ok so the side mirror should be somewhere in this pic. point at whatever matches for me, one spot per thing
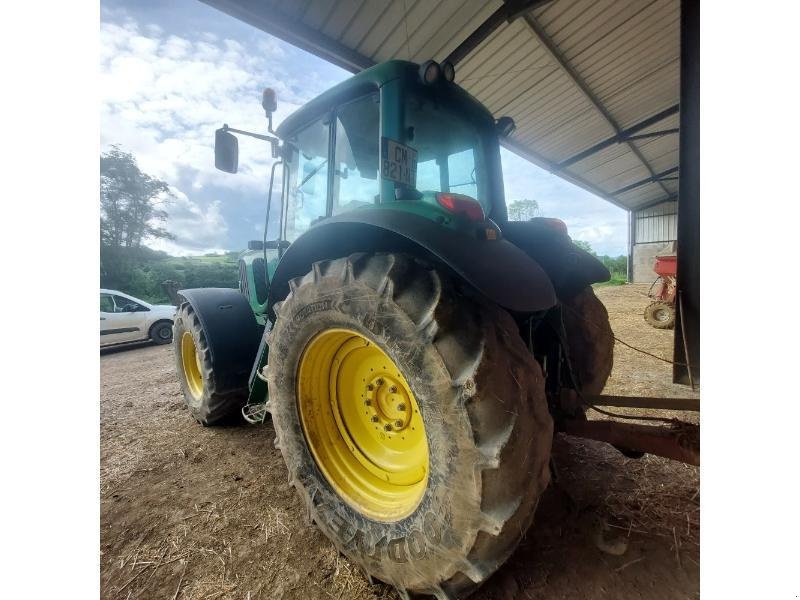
(226, 151)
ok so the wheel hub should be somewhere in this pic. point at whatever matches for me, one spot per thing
(190, 359)
(388, 404)
(362, 424)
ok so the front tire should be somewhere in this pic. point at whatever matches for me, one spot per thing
(479, 397)
(196, 372)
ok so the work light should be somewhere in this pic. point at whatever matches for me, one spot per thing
(269, 101)
(448, 70)
(430, 71)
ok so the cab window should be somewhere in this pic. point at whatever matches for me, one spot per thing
(450, 152)
(355, 178)
(308, 178)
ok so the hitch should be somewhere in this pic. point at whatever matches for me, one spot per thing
(679, 442)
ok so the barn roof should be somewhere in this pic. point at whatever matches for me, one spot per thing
(593, 86)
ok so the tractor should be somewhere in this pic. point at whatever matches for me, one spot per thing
(413, 347)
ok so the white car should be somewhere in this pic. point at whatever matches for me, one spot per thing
(124, 318)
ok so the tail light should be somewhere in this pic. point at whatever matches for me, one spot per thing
(459, 204)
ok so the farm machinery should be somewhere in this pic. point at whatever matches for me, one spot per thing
(660, 313)
(415, 349)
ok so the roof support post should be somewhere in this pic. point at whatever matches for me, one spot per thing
(687, 322)
(631, 243)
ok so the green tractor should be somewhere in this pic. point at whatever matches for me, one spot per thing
(413, 347)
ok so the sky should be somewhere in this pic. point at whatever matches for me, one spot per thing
(173, 71)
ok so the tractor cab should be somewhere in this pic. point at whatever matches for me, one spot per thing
(405, 153)
(397, 134)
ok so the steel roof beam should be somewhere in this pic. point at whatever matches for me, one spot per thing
(295, 32)
(561, 60)
(655, 178)
(652, 134)
(652, 203)
(622, 136)
(510, 10)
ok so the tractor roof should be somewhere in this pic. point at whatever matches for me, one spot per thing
(370, 80)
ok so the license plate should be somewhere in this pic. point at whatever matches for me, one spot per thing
(398, 162)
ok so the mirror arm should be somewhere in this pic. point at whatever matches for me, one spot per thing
(266, 138)
(274, 142)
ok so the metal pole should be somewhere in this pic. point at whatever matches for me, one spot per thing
(631, 242)
(687, 326)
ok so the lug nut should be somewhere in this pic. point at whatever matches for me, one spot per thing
(379, 382)
(370, 387)
(375, 418)
(367, 402)
(387, 427)
(393, 389)
(398, 423)
(401, 407)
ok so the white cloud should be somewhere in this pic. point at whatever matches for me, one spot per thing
(588, 217)
(197, 230)
(164, 95)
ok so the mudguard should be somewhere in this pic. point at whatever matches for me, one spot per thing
(569, 267)
(496, 268)
(231, 330)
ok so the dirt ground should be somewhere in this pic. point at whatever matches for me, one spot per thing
(193, 512)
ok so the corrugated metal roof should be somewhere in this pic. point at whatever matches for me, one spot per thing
(572, 73)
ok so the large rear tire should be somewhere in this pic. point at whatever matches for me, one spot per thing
(590, 340)
(196, 373)
(480, 399)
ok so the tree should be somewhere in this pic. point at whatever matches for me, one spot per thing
(523, 210)
(584, 246)
(129, 202)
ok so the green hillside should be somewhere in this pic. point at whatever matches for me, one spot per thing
(141, 271)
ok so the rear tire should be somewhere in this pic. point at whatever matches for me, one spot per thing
(481, 399)
(590, 339)
(660, 315)
(196, 372)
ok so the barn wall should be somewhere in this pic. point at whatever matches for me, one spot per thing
(654, 228)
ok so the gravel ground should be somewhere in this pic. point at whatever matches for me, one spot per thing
(193, 512)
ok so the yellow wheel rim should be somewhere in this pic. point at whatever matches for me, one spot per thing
(362, 424)
(190, 358)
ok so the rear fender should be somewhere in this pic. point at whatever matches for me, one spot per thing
(495, 268)
(569, 267)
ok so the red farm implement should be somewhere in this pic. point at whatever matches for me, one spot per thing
(660, 313)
